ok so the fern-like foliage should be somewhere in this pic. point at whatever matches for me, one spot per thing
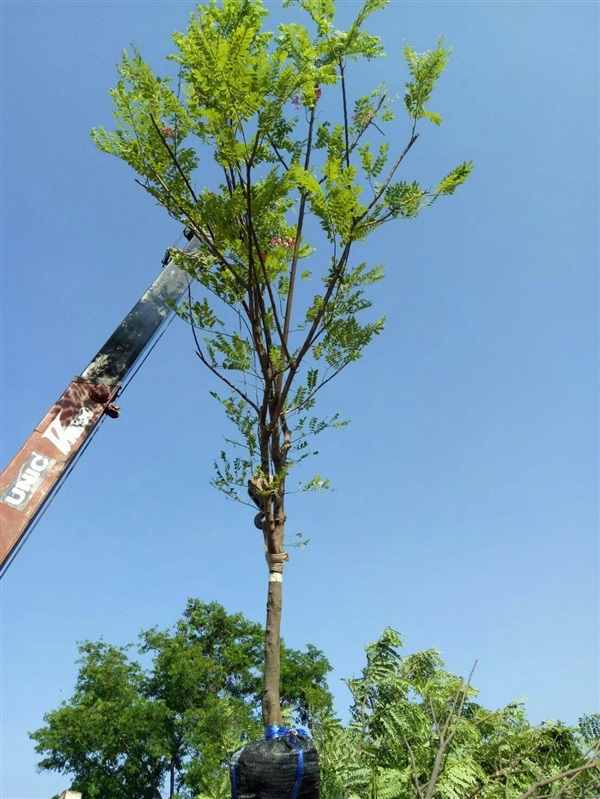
(417, 732)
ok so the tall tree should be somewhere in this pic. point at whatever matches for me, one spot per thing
(129, 729)
(301, 186)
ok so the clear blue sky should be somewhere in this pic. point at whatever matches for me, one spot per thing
(466, 510)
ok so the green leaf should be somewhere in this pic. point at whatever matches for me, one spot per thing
(425, 70)
(453, 180)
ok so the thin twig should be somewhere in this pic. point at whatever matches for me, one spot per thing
(318, 388)
(278, 154)
(215, 371)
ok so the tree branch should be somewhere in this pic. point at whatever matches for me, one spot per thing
(215, 371)
(269, 287)
(174, 159)
(345, 108)
(445, 742)
(278, 154)
(387, 181)
(308, 341)
(574, 772)
(287, 319)
(318, 388)
(415, 771)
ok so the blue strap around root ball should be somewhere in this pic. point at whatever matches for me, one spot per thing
(275, 731)
(232, 768)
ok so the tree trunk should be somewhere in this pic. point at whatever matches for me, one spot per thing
(271, 450)
(275, 556)
(271, 710)
(172, 779)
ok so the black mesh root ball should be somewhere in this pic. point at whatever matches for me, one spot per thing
(284, 765)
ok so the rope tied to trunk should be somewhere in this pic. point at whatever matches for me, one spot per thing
(275, 560)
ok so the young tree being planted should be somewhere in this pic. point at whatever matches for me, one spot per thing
(308, 170)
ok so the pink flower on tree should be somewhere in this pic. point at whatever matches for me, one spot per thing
(288, 242)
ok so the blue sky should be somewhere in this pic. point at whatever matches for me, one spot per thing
(466, 511)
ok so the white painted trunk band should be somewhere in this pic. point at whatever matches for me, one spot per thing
(275, 577)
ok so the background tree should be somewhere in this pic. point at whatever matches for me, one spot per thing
(417, 731)
(129, 728)
(282, 306)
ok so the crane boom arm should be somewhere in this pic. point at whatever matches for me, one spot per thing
(32, 477)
